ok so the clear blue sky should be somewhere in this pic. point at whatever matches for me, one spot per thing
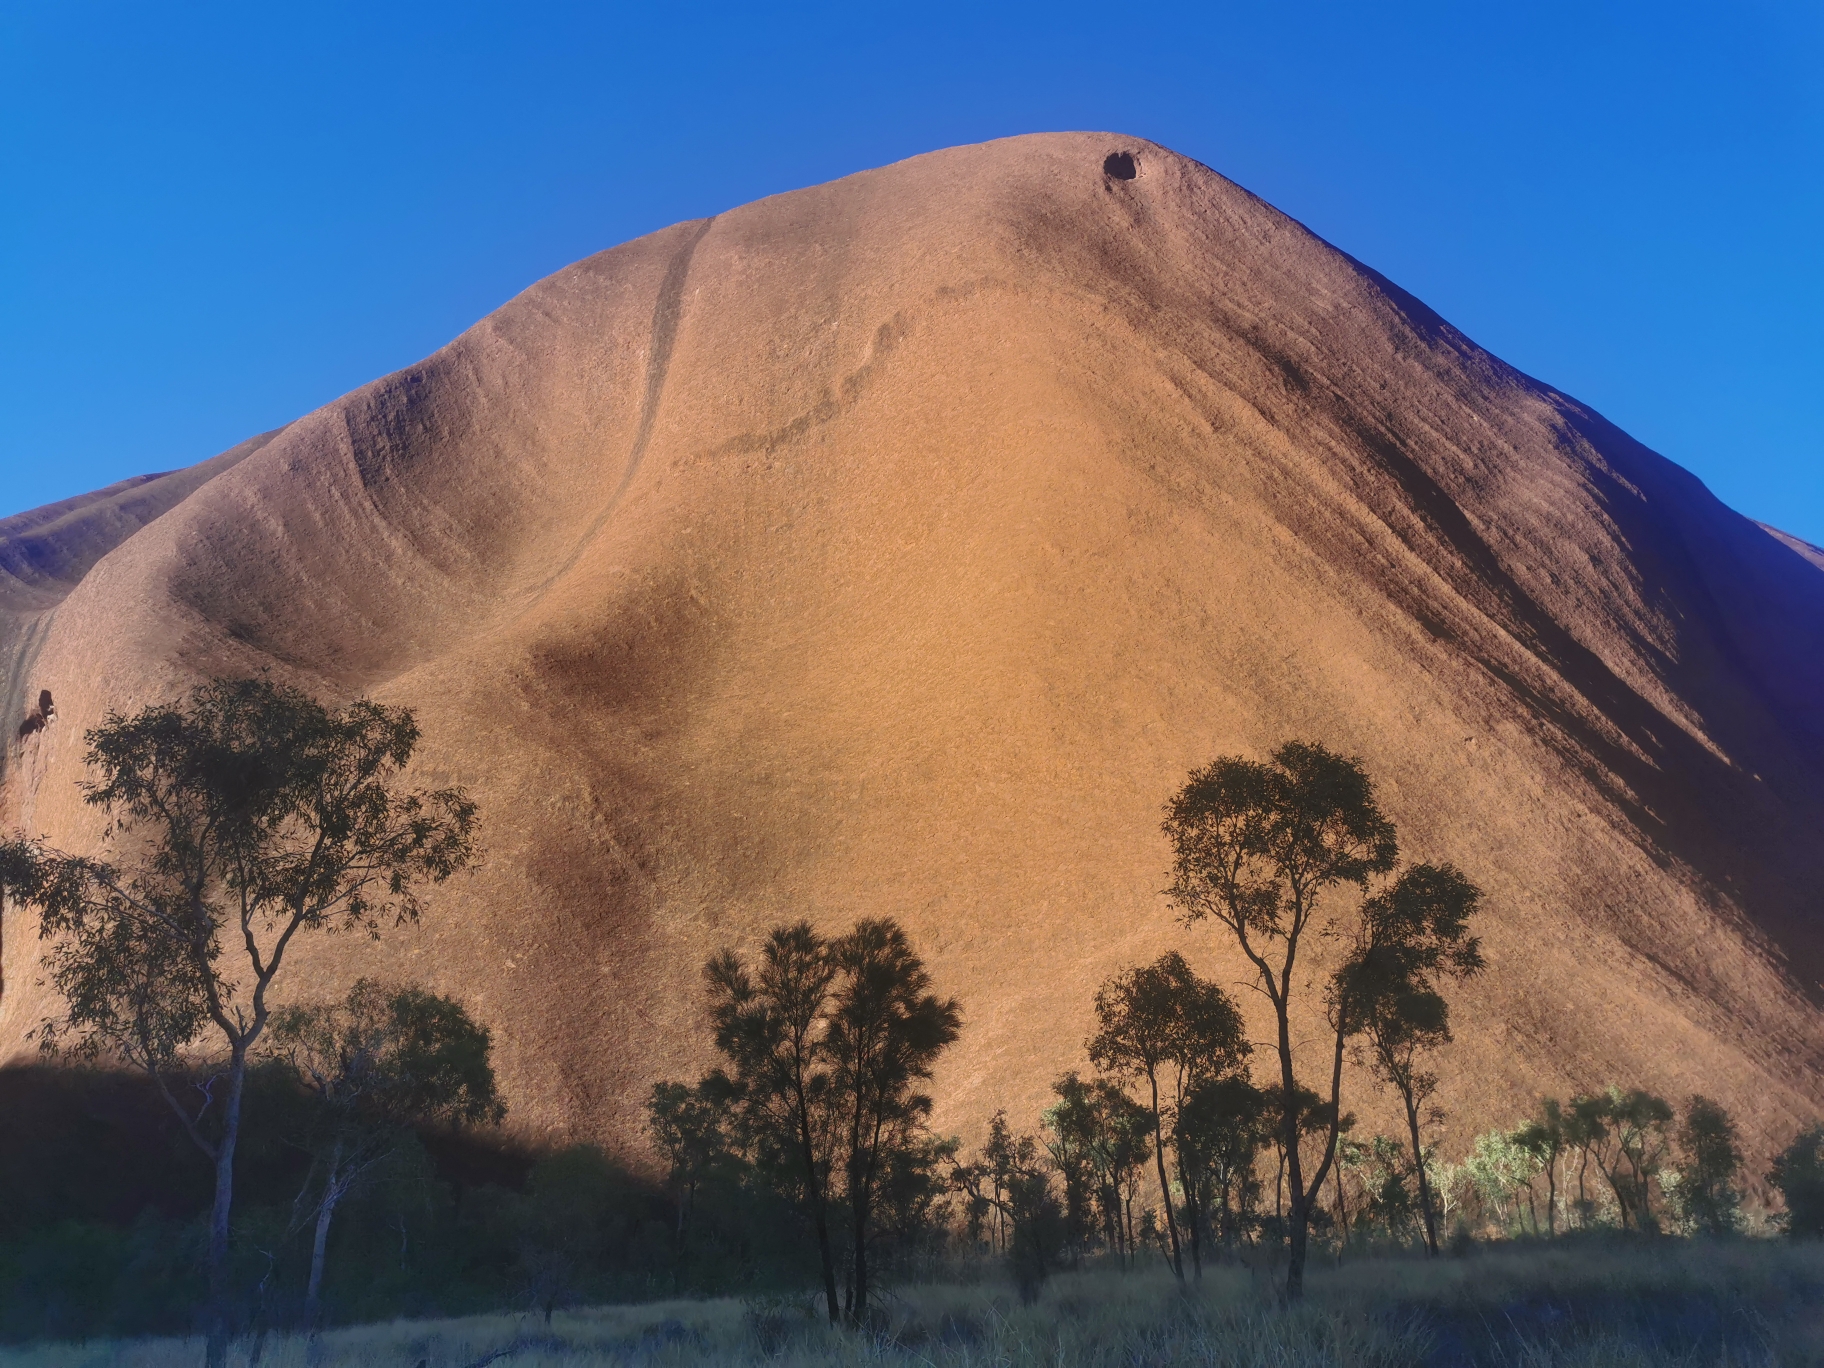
(215, 217)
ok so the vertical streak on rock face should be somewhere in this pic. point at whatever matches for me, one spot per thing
(666, 311)
(665, 314)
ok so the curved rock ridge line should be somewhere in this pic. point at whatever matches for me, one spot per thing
(896, 546)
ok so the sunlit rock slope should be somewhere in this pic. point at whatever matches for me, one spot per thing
(895, 546)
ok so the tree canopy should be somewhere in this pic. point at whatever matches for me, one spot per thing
(828, 1044)
(384, 1059)
(1256, 847)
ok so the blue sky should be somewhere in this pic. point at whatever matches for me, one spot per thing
(214, 218)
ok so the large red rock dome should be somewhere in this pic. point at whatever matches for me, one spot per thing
(896, 546)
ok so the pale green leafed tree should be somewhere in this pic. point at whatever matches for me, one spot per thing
(239, 819)
(380, 1062)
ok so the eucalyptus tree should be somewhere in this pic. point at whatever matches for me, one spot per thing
(1798, 1176)
(1161, 1024)
(1501, 1166)
(381, 1062)
(769, 1026)
(1586, 1130)
(1094, 1119)
(1070, 1126)
(239, 818)
(827, 1043)
(1710, 1161)
(1641, 1123)
(1218, 1131)
(983, 1183)
(886, 1030)
(1546, 1137)
(1013, 1178)
(1257, 849)
(688, 1128)
(1410, 936)
(1628, 1135)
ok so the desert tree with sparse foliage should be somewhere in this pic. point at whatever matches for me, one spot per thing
(1164, 1027)
(1410, 937)
(239, 819)
(1257, 849)
(381, 1062)
(828, 1044)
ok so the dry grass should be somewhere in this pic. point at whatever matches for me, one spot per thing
(1567, 1306)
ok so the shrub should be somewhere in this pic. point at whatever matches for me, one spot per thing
(1799, 1175)
(1705, 1191)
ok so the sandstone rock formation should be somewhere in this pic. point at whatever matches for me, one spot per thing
(897, 545)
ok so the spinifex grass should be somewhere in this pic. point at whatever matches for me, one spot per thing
(1591, 1304)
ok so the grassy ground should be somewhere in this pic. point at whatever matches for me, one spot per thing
(1586, 1305)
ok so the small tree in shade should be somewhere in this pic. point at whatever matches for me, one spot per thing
(1013, 1178)
(1628, 1135)
(1643, 1125)
(239, 819)
(1217, 1133)
(1798, 1176)
(686, 1125)
(1096, 1119)
(1545, 1138)
(886, 1031)
(1070, 1142)
(1709, 1162)
(828, 1044)
(381, 1062)
(769, 1025)
(1586, 1130)
(1164, 1026)
(1410, 937)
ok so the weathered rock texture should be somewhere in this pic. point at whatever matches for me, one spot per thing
(897, 545)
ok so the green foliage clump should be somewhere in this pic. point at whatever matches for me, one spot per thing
(1798, 1176)
(1705, 1192)
(376, 1064)
(827, 1044)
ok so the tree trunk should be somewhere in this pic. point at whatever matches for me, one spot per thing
(326, 1209)
(1418, 1167)
(858, 1311)
(1108, 1222)
(1298, 1246)
(813, 1191)
(1116, 1230)
(216, 1354)
(1292, 1169)
(820, 1219)
(861, 1189)
(1342, 1214)
(1193, 1217)
(1617, 1189)
(1304, 1200)
(1165, 1186)
(1551, 1197)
